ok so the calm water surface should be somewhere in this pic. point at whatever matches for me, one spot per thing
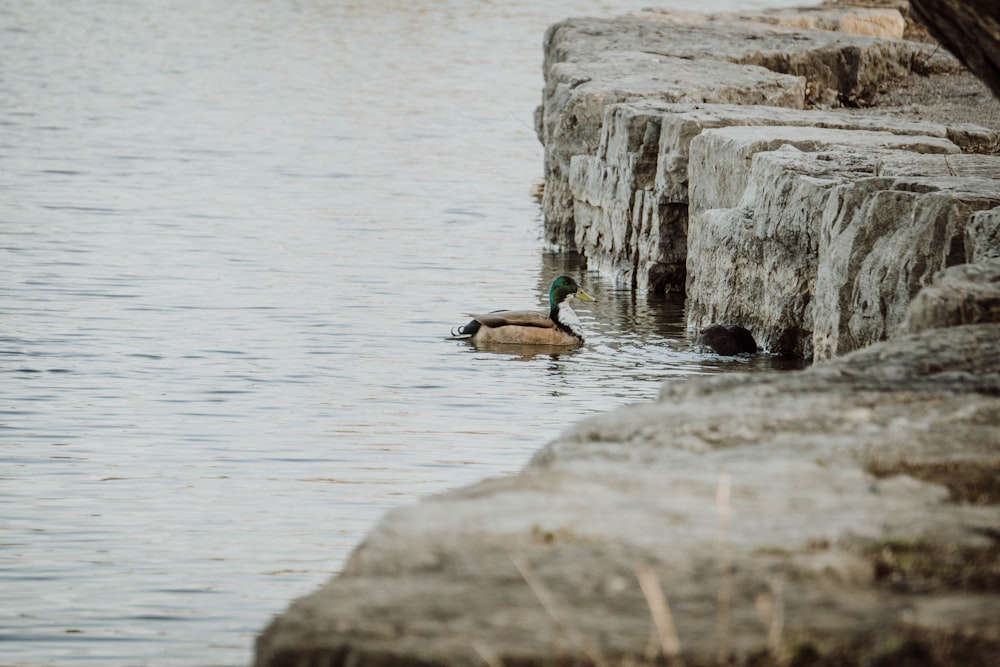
(233, 236)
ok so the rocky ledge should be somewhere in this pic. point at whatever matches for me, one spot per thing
(845, 514)
(771, 169)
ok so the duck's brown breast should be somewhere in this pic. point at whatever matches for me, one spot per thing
(518, 335)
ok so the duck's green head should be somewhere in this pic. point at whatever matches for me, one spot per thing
(563, 288)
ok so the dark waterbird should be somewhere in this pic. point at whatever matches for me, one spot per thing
(728, 341)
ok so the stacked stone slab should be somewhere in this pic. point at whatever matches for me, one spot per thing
(657, 194)
(811, 243)
(630, 199)
(881, 241)
(591, 64)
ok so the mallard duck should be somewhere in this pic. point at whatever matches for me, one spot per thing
(528, 327)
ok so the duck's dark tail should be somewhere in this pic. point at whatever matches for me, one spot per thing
(465, 331)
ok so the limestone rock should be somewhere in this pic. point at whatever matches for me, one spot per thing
(577, 94)
(756, 261)
(776, 255)
(593, 63)
(719, 163)
(753, 237)
(963, 294)
(881, 240)
(630, 199)
(846, 512)
(982, 236)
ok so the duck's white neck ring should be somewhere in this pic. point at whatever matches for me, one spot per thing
(566, 319)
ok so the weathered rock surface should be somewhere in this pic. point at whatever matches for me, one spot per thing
(881, 240)
(576, 95)
(964, 294)
(593, 63)
(815, 247)
(630, 199)
(720, 159)
(845, 514)
(618, 173)
(885, 22)
(982, 236)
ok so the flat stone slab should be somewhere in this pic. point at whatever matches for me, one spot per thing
(846, 512)
(680, 124)
(814, 51)
(721, 158)
(874, 22)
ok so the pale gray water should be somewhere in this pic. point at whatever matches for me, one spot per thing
(233, 236)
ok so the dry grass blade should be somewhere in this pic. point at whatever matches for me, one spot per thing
(771, 608)
(722, 497)
(951, 170)
(550, 607)
(670, 643)
(776, 624)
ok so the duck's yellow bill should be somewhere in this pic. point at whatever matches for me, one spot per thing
(583, 296)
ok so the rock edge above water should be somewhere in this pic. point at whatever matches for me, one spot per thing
(667, 164)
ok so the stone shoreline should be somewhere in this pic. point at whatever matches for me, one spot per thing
(845, 514)
(690, 153)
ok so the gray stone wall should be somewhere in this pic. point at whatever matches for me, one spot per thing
(667, 164)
